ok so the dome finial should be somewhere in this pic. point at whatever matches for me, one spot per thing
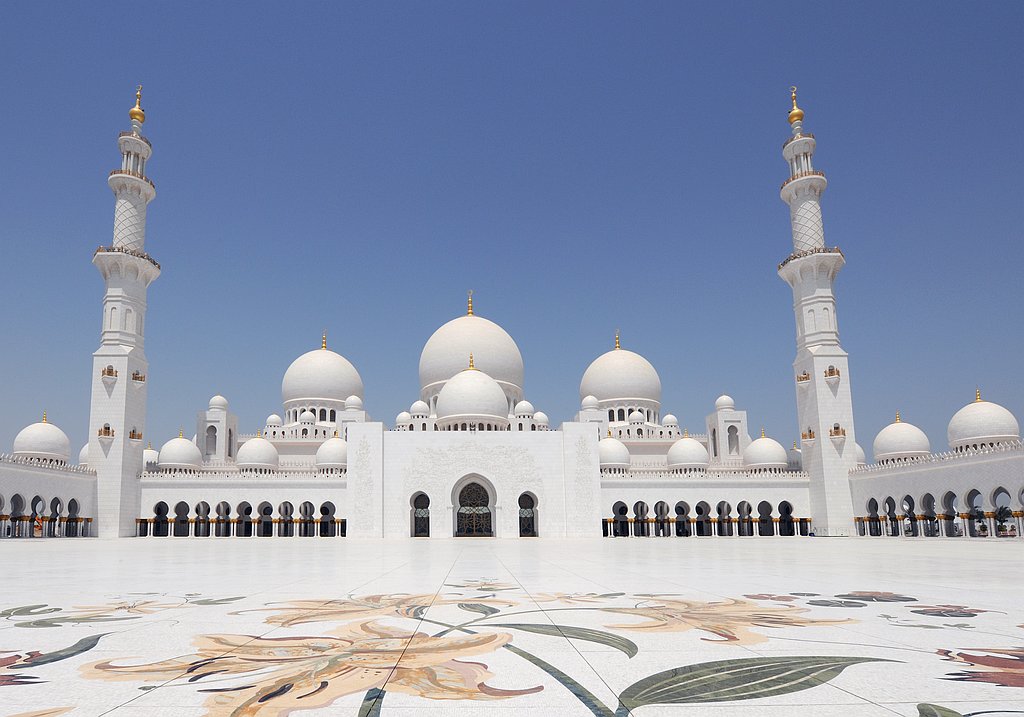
(181, 433)
(762, 431)
(258, 434)
(471, 366)
(686, 433)
(335, 432)
(323, 340)
(617, 344)
(136, 112)
(897, 416)
(977, 395)
(795, 114)
(469, 304)
(44, 416)
(609, 432)
(149, 446)
(794, 445)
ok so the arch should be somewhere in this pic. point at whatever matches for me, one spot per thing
(889, 507)
(285, 523)
(874, 522)
(682, 511)
(52, 527)
(181, 521)
(222, 526)
(307, 520)
(71, 526)
(724, 518)
(930, 523)
(160, 520)
(734, 440)
(420, 515)
(323, 414)
(765, 524)
(527, 515)
(328, 528)
(201, 529)
(977, 525)
(620, 519)
(243, 521)
(641, 526)
(714, 442)
(703, 520)
(787, 526)
(211, 440)
(745, 524)
(474, 505)
(908, 507)
(661, 518)
(265, 520)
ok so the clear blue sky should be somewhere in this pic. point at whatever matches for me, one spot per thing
(582, 166)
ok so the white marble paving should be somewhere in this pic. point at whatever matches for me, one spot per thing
(816, 627)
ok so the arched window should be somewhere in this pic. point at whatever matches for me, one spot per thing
(714, 442)
(611, 414)
(734, 441)
(421, 516)
(211, 440)
(474, 512)
(622, 414)
(527, 516)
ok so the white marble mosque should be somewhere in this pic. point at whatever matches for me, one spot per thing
(473, 456)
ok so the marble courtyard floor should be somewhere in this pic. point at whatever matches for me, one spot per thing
(607, 628)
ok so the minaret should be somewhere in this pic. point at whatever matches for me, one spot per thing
(117, 417)
(821, 372)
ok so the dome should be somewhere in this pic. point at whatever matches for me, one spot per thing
(620, 374)
(613, 453)
(637, 417)
(670, 421)
(900, 440)
(179, 453)
(687, 453)
(795, 458)
(540, 418)
(42, 441)
(524, 408)
(861, 457)
(318, 375)
(353, 403)
(765, 453)
(495, 353)
(273, 420)
(150, 457)
(981, 422)
(590, 403)
(332, 453)
(420, 408)
(403, 418)
(724, 403)
(218, 403)
(307, 417)
(83, 456)
(472, 394)
(257, 453)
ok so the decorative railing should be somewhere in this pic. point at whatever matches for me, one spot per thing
(808, 435)
(944, 457)
(663, 473)
(129, 252)
(794, 138)
(109, 372)
(809, 252)
(798, 175)
(831, 372)
(130, 173)
(135, 435)
(139, 136)
(139, 376)
(48, 465)
(837, 432)
(803, 377)
(106, 432)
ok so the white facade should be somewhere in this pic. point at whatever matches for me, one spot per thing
(471, 456)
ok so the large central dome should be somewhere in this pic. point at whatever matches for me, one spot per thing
(494, 352)
(321, 375)
(621, 375)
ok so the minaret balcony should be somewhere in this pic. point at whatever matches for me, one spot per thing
(135, 435)
(803, 379)
(808, 436)
(794, 138)
(106, 434)
(138, 377)
(802, 175)
(136, 135)
(129, 173)
(108, 375)
(832, 375)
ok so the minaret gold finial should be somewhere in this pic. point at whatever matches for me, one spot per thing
(762, 431)
(471, 366)
(897, 416)
(323, 340)
(795, 114)
(181, 433)
(149, 446)
(136, 112)
(44, 416)
(977, 395)
(617, 344)
(469, 304)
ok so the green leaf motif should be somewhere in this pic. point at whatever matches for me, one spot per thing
(478, 608)
(216, 601)
(927, 710)
(578, 633)
(28, 610)
(83, 645)
(729, 680)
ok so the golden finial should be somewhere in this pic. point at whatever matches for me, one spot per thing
(609, 433)
(323, 340)
(977, 395)
(686, 433)
(762, 431)
(44, 416)
(794, 445)
(136, 112)
(471, 366)
(469, 304)
(796, 114)
(335, 432)
(897, 416)
(617, 345)
(258, 433)
(149, 446)
(181, 433)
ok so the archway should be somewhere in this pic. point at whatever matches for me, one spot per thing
(243, 523)
(745, 527)
(1005, 524)
(661, 519)
(181, 528)
(160, 520)
(222, 529)
(682, 511)
(53, 526)
(786, 523)
(71, 526)
(765, 525)
(307, 522)
(951, 514)
(265, 516)
(641, 528)
(38, 513)
(421, 515)
(620, 517)
(473, 514)
(202, 524)
(977, 525)
(930, 524)
(527, 516)
(328, 528)
(908, 506)
(724, 523)
(874, 523)
(890, 512)
(703, 523)
(285, 523)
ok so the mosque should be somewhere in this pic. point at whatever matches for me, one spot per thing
(473, 457)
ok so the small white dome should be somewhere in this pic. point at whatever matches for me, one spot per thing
(621, 375)
(795, 458)
(257, 453)
(320, 375)
(687, 453)
(42, 441)
(472, 394)
(273, 420)
(901, 440)
(613, 453)
(179, 453)
(861, 457)
(218, 403)
(524, 408)
(420, 408)
(402, 418)
(307, 417)
(637, 417)
(724, 402)
(332, 453)
(83, 456)
(670, 421)
(150, 457)
(981, 423)
(540, 418)
(590, 403)
(765, 453)
(353, 403)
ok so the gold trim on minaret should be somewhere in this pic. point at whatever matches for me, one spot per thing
(136, 112)
(795, 114)
(469, 303)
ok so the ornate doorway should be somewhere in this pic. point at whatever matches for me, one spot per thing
(474, 516)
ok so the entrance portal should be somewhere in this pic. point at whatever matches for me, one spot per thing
(474, 515)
